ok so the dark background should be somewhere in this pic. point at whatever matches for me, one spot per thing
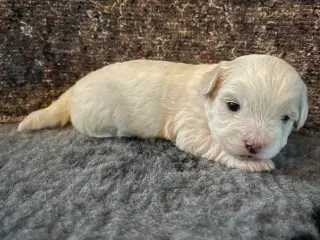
(45, 46)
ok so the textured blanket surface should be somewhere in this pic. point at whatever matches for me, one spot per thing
(59, 184)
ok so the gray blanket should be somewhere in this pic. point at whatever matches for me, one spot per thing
(59, 184)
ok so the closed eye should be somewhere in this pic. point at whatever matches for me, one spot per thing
(285, 118)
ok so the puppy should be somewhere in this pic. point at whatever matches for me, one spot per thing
(238, 113)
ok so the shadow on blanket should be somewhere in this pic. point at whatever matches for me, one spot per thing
(316, 218)
(58, 184)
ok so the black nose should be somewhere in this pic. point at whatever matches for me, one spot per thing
(253, 149)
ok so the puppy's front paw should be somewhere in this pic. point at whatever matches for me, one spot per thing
(247, 165)
(257, 166)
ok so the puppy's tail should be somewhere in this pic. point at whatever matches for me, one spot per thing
(56, 114)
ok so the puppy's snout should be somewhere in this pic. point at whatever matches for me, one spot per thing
(253, 149)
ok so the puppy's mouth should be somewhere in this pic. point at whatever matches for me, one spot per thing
(249, 158)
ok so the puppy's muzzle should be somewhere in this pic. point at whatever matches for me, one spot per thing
(253, 149)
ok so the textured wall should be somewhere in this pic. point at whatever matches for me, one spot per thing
(47, 45)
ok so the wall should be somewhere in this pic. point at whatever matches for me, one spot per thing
(47, 45)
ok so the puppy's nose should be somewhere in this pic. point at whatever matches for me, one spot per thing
(253, 149)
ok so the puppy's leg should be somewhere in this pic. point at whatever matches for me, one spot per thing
(248, 166)
(203, 145)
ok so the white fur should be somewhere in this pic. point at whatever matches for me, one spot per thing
(188, 105)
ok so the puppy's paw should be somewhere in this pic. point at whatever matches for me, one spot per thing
(247, 165)
(257, 166)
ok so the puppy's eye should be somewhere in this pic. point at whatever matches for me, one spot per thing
(234, 107)
(285, 118)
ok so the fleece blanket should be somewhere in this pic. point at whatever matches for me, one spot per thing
(59, 184)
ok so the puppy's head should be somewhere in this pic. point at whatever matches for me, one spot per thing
(253, 103)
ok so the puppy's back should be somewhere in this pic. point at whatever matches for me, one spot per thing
(146, 91)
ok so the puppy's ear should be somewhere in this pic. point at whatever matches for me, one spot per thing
(303, 108)
(211, 81)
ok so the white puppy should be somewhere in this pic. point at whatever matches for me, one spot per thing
(238, 113)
